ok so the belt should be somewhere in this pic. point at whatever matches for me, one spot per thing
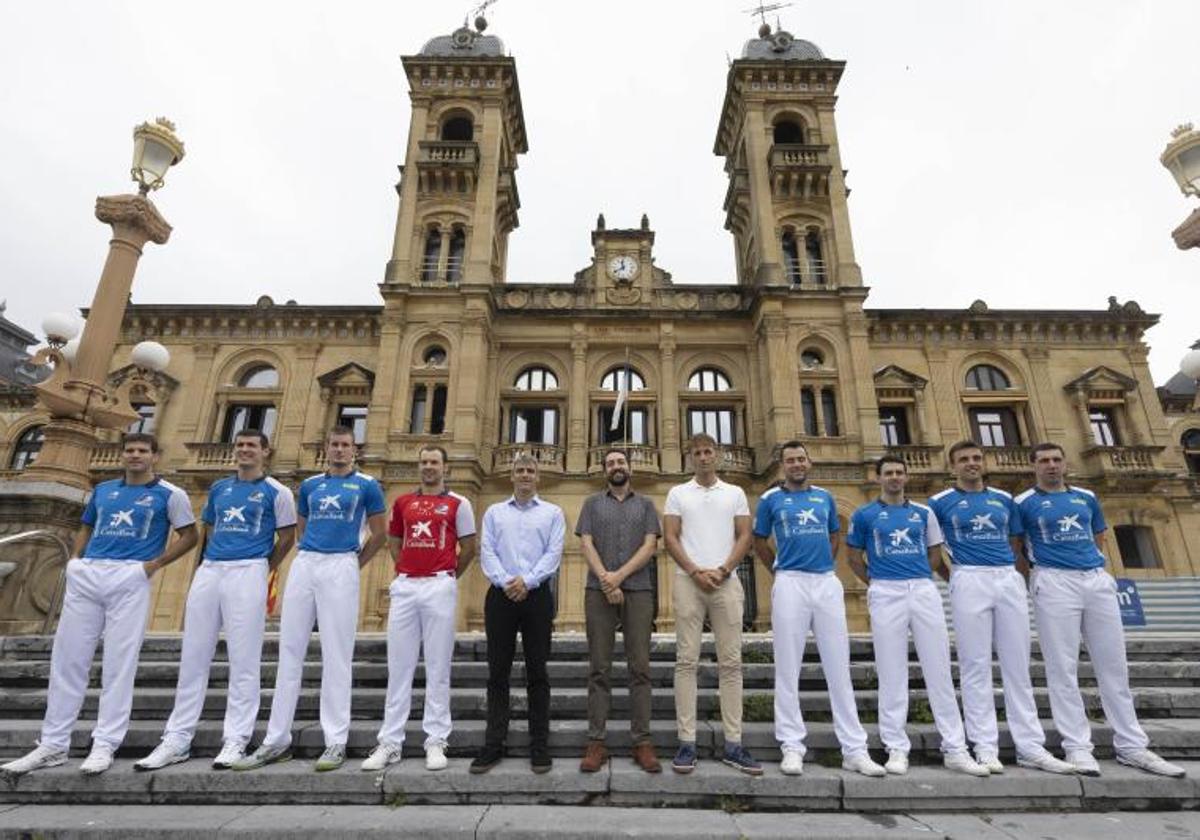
(413, 575)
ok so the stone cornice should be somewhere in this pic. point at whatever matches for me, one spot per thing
(224, 321)
(1122, 325)
(576, 301)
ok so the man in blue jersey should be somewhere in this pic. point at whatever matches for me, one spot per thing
(893, 544)
(124, 540)
(1064, 540)
(990, 606)
(322, 586)
(251, 521)
(807, 595)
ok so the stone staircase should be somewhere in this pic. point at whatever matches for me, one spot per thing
(1165, 669)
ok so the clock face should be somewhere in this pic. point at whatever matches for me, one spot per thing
(623, 267)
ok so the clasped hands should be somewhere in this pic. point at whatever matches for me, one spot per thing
(610, 583)
(516, 590)
(709, 579)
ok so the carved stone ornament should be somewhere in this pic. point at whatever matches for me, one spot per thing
(623, 295)
(728, 300)
(517, 298)
(686, 300)
(560, 299)
(136, 212)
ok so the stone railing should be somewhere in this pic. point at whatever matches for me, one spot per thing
(1007, 459)
(548, 457)
(1121, 459)
(209, 456)
(642, 459)
(448, 153)
(106, 456)
(798, 155)
(920, 459)
(738, 459)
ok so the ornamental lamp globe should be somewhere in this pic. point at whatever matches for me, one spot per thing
(155, 150)
(1190, 365)
(59, 328)
(150, 355)
(1182, 158)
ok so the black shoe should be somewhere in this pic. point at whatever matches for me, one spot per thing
(488, 758)
(539, 760)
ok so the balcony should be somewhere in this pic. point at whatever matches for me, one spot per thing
(209, 456)
(799, 170)
(1007, 460)
(548, 457)
(448, 165)
(642, 459)
(106, 457)
(1126, 467)
(739, 459)
(920, 459)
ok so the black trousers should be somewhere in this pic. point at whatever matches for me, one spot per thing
(502, 620)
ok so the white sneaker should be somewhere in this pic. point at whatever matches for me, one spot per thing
(382, 756)
(36, 759)
(963, 763)
(862, 763)
(231, 752)
(164, 754)
(98, 760)
(1151, 762)
(1045, 762)
(897, 763)
(792, 764)
(990, 760)
(1085, 764)
(435, 757)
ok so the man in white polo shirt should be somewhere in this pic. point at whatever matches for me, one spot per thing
(706, 523)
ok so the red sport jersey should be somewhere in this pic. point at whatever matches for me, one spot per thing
(430, 526)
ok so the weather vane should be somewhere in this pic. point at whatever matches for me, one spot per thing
(761, 9)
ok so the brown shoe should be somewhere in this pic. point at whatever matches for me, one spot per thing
(644, 757)
(594, 757)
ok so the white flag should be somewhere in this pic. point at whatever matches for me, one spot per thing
(622, 393)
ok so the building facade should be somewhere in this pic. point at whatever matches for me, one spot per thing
(453, 354)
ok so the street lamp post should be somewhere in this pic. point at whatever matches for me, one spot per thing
(1182, 159)
(77, 395)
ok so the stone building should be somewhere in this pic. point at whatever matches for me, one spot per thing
(453, 354)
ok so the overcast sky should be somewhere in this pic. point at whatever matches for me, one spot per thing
(1005, 151)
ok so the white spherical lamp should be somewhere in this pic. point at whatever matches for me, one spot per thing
(70, 349)
(1190, 365)
(150, 355)
(59, 328)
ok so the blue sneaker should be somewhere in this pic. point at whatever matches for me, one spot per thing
(737, 757)
(685, 759)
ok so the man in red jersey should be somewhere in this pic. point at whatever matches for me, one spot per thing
(432, 536)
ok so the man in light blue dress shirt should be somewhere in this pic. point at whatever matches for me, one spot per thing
(520, 551)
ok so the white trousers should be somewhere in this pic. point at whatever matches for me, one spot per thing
(991, 609)
(107, 599)
(802, 601)
(421, 616)
(324, 588)
(229, 594)
(1074, 604)
(896, 607)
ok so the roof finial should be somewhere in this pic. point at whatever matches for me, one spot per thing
(480, 21)
(764, 31)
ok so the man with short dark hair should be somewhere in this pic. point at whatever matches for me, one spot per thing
(893, 544)
(1074, 598)
(322, 587)
(807, 595)
(990, 608)
(251, 519)
(707, 528)
(520, 552)
(432, 537)
(618, 531)
(127, 526)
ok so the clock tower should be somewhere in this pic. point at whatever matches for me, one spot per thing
(622, 270)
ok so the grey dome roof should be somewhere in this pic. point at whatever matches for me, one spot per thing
(464, 43)
(782, 46)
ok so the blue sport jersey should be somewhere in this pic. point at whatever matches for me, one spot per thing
(243, 516)
(896, 539)
(335, 508)
(977, 525)
(133, 521)
(801, 521)
(1060, 528)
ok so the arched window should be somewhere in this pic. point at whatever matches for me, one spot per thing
(791, 256)
(987, 378)
(435, 356)
(708, 379)
(458, 128)
(458, 248)
(814, 256)
(432, 256)
(536, 379)
(29, 444)
(611, 381)
(788, 131)
(260, 376)
(1191, 450)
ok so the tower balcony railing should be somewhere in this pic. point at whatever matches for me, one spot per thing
(811, 272)
(448, 153)
(548, 456)
(799, 155)
(431, 271)
(799, 170)
(642, 458)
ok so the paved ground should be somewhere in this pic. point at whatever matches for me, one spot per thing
(554, 822)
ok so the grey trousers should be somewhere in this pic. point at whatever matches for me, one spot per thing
(636, 616)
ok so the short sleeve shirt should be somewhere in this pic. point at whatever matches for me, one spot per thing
(430, 526)
(707, 514)
(133, 521)
(335, 508)
(1060, 527)
(243, 516)
(618, 529)
(801, 522)
(977, 525)
(896, 539)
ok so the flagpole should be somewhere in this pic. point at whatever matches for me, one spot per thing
(625, 424)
